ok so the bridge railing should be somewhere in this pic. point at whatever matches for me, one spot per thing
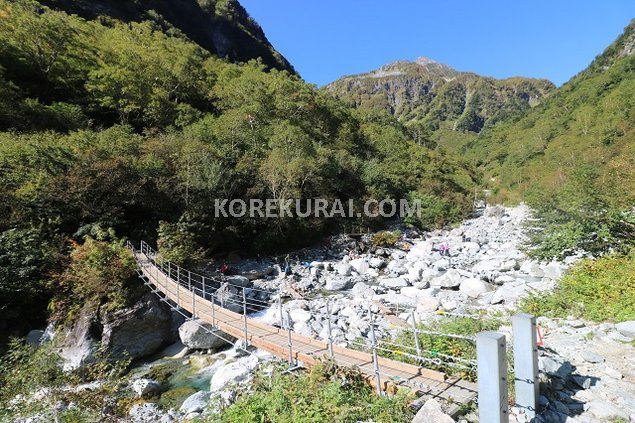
(490, 364)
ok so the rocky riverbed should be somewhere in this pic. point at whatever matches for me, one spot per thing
(349, 281)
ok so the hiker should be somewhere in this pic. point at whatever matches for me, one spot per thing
(444, 249)
(224, 269)
(287, 264)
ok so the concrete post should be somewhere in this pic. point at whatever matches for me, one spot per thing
(526, 363)
(492, 378)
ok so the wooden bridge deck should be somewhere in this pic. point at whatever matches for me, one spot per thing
(393, 374)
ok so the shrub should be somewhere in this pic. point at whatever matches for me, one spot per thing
(101, 271)
(598, 290)
(323, 394)
(386, 238)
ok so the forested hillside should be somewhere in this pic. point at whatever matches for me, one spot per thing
(133, 127)
(573, 156)
(441, 106)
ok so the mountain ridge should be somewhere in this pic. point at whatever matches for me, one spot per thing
(436, 95)
(222, 27)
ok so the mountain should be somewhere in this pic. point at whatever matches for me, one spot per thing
(439, 97)
(222, 27)
(588, 123)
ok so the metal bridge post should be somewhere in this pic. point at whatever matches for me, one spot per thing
(213, 311)
(375, 358)
(415, 334)
(189, 281)
(330, 335)
(492, 377)
(289, 340)
(178, 275)
(203, 286)
(526, 363)
(280, 308)
(245, 314)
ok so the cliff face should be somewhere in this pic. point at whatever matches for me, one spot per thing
(222, 27)
(438, 96)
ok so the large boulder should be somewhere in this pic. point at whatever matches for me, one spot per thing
(239, 280)
(144, 388)
(343, 269)
(79, 341)
(450, 279)
(626, 328)
(195, 403)
(337, 283)
(361, 290)
(236, 371)
(200, 335)
(360, 265)
(150, 413)
(432, 412)
(140, 330)
(473, 287)
(393, 283)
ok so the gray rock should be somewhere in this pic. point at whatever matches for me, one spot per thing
(450, 279)
(144, 388)
(360, 265)
(393, 282)
(592, 357)
(532, 268)
(626, 328)
(239, 280)
(555, 367)
(432, 412)
(605, 411)
(149, 413)
(236, 371)
(200, 335)
(255, 270)
(473, 287)
(377, 262)
(582, 381)
(195, 403)
(300, 316)
(343, 269)
(361, 290)
(79, 342)
(138, 331)
(427, 305)
(34, 337)
(337, 283)
(553, 270)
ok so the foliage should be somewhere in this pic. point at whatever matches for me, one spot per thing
(26, 258)
(177, 244)
(434, 97)
(572, 158)
(596, 290)
(323, 394)
(386, 238)
(25, 369)
(101, 271)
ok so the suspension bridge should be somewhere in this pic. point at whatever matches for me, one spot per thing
(226, 308)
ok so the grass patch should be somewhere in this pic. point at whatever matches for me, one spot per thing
(440, 348)
(325, 393)
(596, 290)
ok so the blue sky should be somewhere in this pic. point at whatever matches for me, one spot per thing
(555, 39)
